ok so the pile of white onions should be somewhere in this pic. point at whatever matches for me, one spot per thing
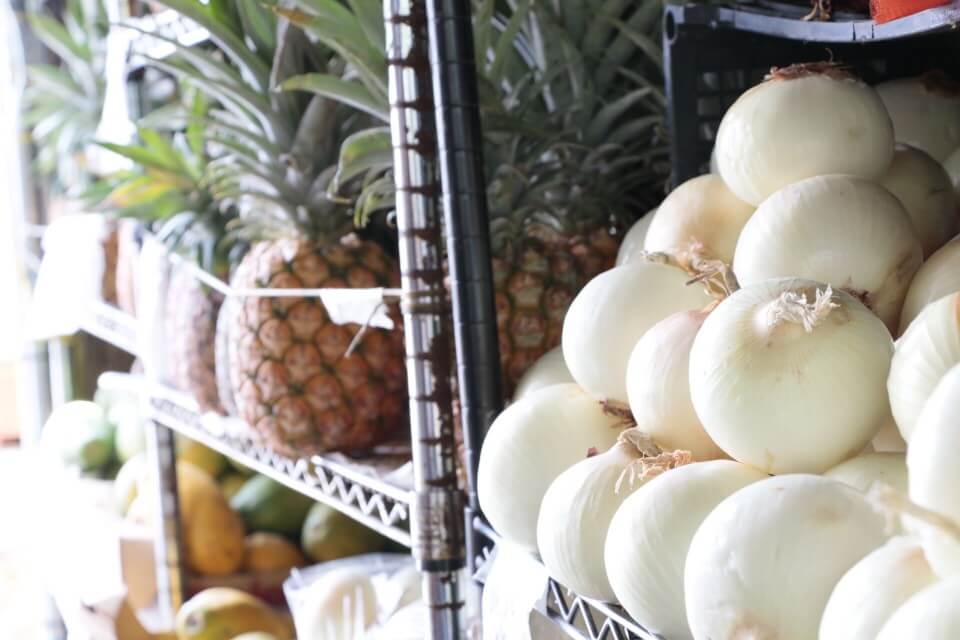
(748, 330)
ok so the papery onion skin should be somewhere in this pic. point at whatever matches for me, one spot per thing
(631, 247)
(934, 472)
(841, 230)
(612, 312)
(785, 130)
(574, 516)
(932, 614)
(937, 277)
(700, 215)
(764, 562)
(658, 386)
(925, 352)
(862, 471)
(549, 369)
(649, 536)
(532, 442)
(784, 400)
(888, 438)
(926, 192)
(925, 114)
(952, 166)
(868, 594)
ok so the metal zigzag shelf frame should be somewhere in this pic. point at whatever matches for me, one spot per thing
(354, 488)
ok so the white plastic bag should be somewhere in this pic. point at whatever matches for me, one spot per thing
(70, 277)
(346, 599)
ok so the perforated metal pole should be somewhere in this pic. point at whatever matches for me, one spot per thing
(437, 515)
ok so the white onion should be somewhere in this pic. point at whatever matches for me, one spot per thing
(799, 124)
(934, 472)
(649, 536)
(952, 167)
(700, 215)
(841, 230)
(925, 352)
(932, 614)
(937, 277)
(610, 314)
(925, 113)
(788, 376)
(873, 589)
(926, 192)
(549, 369)
(888, 439)
(530, 444)
(763, 563)
(631, 249)
(577, 509)
(658, 386)
(861, 472)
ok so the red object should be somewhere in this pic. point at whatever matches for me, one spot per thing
(887, 10)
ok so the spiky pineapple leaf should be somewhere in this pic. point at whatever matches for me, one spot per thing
(56, 38)
(365, 151)
(142, 156)
(228, 40)
(370, 16)
(340, 30)
(260, 25)
(504, 48)
(347, 92)
(603, 121)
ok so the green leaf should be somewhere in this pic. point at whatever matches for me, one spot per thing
(482, 29)
(55, 37)
(370, 150)
(57, 83)
(161, 148)
(339, 30)
(260, 25)
(600, 30)
(505, 44)
(370, 16)
(227, 39)
(143, 156)
(353, 94)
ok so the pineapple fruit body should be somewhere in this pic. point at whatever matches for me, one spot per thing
(535, 281)
(290, 374)
(191, 314)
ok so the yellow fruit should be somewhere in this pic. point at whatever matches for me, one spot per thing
(222, 613)
(200, 456)
(212, 531)
(231, 483)
(270, 552)
(125, 485)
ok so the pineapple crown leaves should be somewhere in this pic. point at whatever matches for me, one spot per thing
(571, 101)
(63, 101)
(271, 149)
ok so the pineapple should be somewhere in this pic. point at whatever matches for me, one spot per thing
(167, 189)
(573, 121)
(289, 371)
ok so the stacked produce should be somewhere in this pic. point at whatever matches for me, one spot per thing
(719, 447)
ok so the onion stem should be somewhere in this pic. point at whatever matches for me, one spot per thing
(794, 308)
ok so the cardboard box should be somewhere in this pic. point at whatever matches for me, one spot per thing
(137, 564)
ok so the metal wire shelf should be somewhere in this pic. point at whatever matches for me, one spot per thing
(586, 619)
(354, 488)
(111, 325)
(578, 617)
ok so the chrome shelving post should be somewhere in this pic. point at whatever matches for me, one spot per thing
(437, 526)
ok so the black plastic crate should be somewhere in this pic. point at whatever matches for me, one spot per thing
(715, 52)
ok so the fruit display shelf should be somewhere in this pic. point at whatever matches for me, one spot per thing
(356, 488)
(111, 325)
(578, 617)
